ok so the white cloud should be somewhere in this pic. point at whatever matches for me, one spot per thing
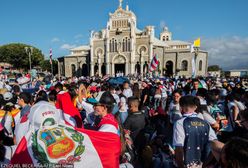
(55, 39)
(228, 52)
(78, 36)
(67, 46)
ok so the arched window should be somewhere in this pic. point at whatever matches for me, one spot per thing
(103, 70)
(96, 69)
(123, 45)
(167, 38)
(200, 65)
(184, 66)
(129, 45)
(113, 45)
(126, 44)
(85, 70)
(163, 38)
(110, 46)
(115, 50)
(73, 69)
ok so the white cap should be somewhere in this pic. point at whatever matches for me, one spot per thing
(7, 96)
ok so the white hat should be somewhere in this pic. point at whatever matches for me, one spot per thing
(7, 96)
(223, 92)
(218, 84)
(44, 111)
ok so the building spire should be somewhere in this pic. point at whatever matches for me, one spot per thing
(120, 3)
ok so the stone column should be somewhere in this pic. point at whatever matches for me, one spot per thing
(92, 69)
(99, 65)
(113, 69)
(132, 67)
(107, 54)
(92, 73)
(126, 68)
(141, 65)
(59, 69)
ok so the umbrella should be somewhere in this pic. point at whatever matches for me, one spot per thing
(117, 80)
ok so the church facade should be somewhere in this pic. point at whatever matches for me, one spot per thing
(122, 48)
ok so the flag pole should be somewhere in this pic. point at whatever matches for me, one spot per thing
(52, 68)
(51, 61)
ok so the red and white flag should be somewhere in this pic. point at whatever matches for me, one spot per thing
(64, 145)
(70, 112)
(48, 142)
(51, 56)
(154, 63)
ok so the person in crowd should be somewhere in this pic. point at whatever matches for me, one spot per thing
(70, 112)
(112, 89)
(6, 119)
(103, 109)
(136, 90)
(174, 107)
(144, 96)
(158, 95)
(135, 121)
(52, 97)
(203, 111)
(195, 87)
(122, 105)
(164, 96)
(24, 100)
(234, 153)
(191, 135)
(127, 91)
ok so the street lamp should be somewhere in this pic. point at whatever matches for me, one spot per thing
(29, 52)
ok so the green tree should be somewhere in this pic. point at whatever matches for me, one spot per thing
(214, 68)
(16, 55)
(46, 66)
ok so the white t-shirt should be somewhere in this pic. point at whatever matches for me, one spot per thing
(123, 105)
(128, 92)
(174, 112)
(207, 117)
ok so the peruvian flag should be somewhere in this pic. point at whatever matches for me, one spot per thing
(71, 113)
(154, 63)
(51, 55)
(60, 144)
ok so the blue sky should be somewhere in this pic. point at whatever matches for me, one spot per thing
(61, 24)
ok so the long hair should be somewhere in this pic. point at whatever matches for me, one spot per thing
(236, 153)
(136, 90)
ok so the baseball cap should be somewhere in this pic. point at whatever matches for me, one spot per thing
(7, 96)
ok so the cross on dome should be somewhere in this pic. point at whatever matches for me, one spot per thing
(120, 3)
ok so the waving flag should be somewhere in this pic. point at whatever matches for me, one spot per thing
(51, 55)
(49, 142)
(70, 112)
(62, 144)
(154, 63)
(197, 42)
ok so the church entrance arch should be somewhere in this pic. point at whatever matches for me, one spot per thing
(119, 63)
(169, 68)
(85, 70)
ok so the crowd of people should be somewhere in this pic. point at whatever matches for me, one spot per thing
(160, 122)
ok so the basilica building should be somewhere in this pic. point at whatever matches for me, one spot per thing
(123, 48)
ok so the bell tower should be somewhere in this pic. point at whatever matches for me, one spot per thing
(165, 35)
